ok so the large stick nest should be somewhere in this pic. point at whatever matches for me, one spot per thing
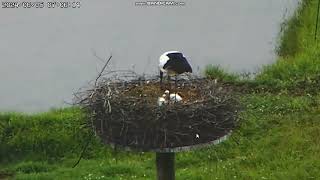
(124, 112)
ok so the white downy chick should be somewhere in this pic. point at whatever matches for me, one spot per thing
(175, 97)
(162, 100)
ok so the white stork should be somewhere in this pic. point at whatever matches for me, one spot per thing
(173, 63)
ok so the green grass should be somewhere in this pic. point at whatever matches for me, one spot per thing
(51, 134)
(217, 72)
(298, 66)
(276, 139)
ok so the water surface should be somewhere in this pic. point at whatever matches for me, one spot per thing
(47, 54)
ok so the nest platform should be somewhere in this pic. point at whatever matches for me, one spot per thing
(125, 113)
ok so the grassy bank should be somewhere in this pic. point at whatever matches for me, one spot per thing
(277, 139)
(297, 67)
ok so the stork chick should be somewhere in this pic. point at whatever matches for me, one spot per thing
(175, 97)
(162, 100)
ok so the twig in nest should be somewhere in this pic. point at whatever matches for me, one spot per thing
(95, 54)
(104, 67)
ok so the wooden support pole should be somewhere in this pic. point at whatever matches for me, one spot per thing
(165, 166)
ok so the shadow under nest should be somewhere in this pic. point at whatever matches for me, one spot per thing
(125, 113)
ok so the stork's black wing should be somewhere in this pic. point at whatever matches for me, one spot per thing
(177, 63)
